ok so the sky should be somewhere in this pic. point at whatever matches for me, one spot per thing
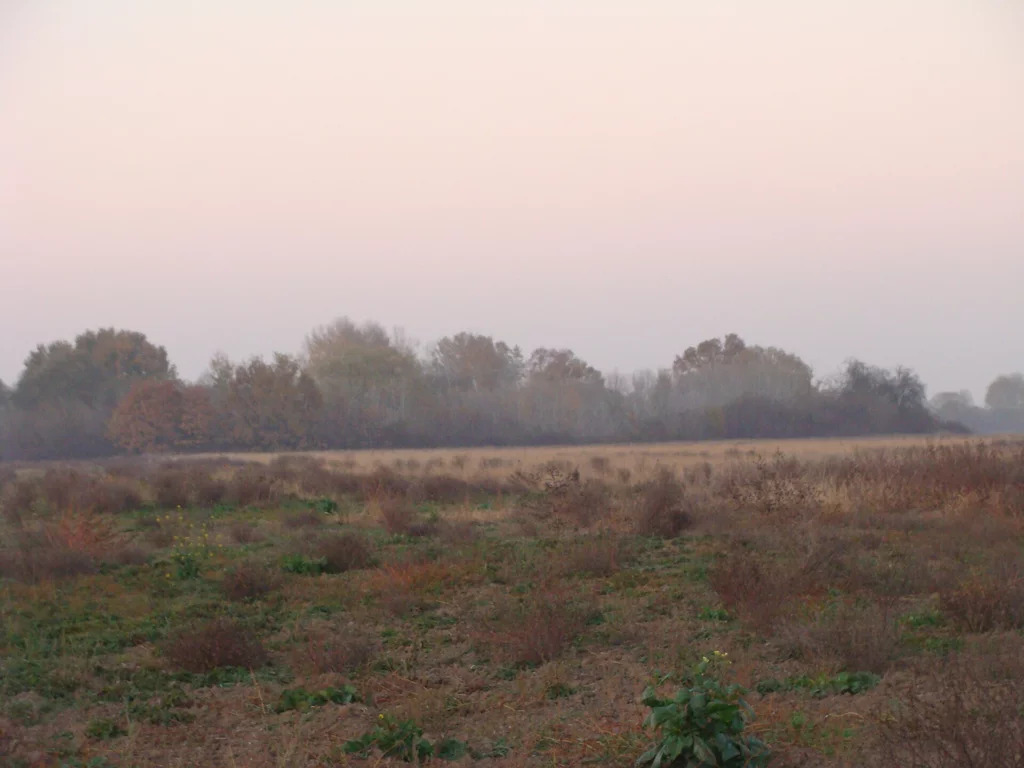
(621, 177)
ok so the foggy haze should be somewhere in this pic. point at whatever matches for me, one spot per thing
(621, 178)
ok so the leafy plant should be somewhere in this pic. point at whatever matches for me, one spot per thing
(104, 729)
(305, 566)
(702, 725)
(403, 739)
(301, 699)
(399, 739)
(850, 683)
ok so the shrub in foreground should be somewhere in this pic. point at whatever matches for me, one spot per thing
(218, 643)
(702, 725)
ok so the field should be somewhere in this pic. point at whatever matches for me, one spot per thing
(509, 607)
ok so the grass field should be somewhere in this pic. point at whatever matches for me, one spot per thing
(508, 607)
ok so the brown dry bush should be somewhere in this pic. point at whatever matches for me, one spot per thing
(252, 486)
(663, 507)
(127, 554)
(600, 556)
(35, 558)
(331, 652)
(960, 714)
(399, 517)
(217, 643)
(853, 637)
(305, 519)
(987, 601)
(601, 465)
(583, 503)
(782, 487)
(443, 489)
(249, 581)
(757, 592)
(343, 552)
(539, 629)
(244, 533)
(172, 486)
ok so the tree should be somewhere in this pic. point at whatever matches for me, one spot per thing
(1006, 393)
(470, 362)
(148, 418)
(717, 372)
(270, 406)
(368, 380)
(561, 366)
(97, 369)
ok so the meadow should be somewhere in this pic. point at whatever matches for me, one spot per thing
(808, 602)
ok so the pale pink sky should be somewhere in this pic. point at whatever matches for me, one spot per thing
(618, 176)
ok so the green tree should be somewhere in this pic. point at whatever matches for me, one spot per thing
(1006, 393)
(468, 361)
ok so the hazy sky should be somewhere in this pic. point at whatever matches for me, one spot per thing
(621, 177)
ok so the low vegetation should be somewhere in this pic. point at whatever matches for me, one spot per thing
(737, 604)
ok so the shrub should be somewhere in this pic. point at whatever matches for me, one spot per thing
(540, 629)
(958, 715)
(403, 740)
(343, 552)
(305, 519)
(599, 556)
(218, 643)
(702, 725)
(662, 508)
(300, 699)
(987, 601)
(244, 533)
(34, 558)
(864, 637)
(340, 654)
(397, 515)
(249, 581)
(251, 486)
(172, 487)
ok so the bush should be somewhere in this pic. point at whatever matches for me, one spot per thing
(252, 486)
(540, 629)
(331, 653)
(958, 715)
(218, 643)
(34, 559)
(702, 725)
(987, 601)
(249, 581)
(594, 557)
(343, 552)
(662, 508)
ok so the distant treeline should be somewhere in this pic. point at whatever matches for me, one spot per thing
(356, 386)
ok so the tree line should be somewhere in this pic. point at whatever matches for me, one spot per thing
(357, 386)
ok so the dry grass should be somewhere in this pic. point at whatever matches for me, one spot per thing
(553, 584)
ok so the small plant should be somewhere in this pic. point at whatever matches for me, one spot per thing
(301, 699)
(104, 729)
(850, 683)
(702, 725)
(304, 566)
(324, 505)
(401, 739)
(191, 550)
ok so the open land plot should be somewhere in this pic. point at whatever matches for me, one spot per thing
(510, 606)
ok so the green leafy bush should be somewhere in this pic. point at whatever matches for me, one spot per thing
(301, 699)
(702, 725)
(850, 683)
(305, 566)
(403, 740)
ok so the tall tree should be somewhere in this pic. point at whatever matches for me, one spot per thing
(468, 361)
(368, 380)
(1006, 393)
